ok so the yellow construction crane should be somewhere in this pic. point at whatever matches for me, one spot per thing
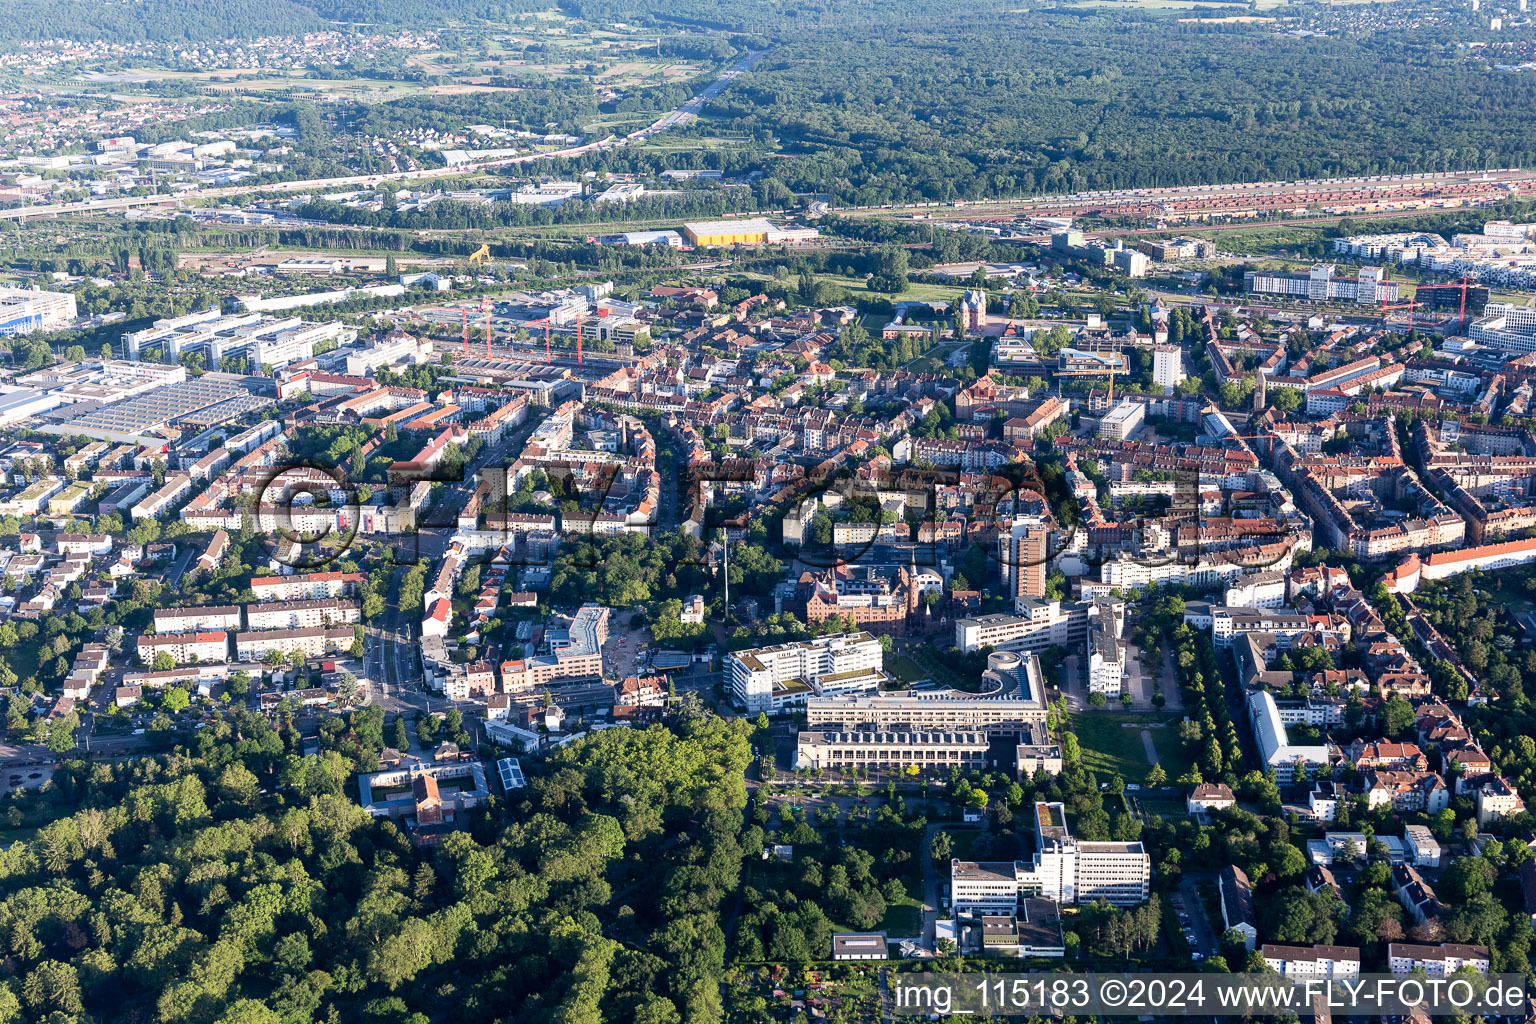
(480, 255)
(1111, 374)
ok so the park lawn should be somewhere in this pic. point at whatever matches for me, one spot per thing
(904, 919)
(1506, 590)
(905, 669)
(934, 668)
(1110, 749)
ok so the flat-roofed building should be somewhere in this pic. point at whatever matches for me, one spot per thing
(1040, 624)
(24, 310)
(1123, 421)
(859, 946)
(764, 675)
(983, 887)
(897, 750)
(305, 586)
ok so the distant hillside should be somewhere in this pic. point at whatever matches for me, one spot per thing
(198, 20)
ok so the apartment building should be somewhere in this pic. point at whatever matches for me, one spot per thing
(1167, 365)
(191, 620)
(313, 642)
(185, 648)
(1437, 961)
(1321, 284)
(313, 586)
(1316, 961)
(330, 611)
(1023, 554)
(769, 679)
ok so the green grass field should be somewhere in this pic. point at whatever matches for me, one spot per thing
(905, 669)
(1110, 748)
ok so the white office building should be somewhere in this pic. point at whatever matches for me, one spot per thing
(1275, 750)
(24, 310)
(1064, 869)
(1257, 590)
(1106, 664)
(1123, 421)
(1506, 326)
(770, 679)
(1040, 624)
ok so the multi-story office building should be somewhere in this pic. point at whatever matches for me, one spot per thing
(1123, 421)
(1038, 624)
(773, 678)
(1064, 869)
(1069, 870)
(24, 310)
(869, 748)
(1275, 749)
(1506, 326)
(981, 887)
(1106, 663)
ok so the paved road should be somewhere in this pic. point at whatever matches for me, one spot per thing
(178, 568)
(1207, 938)
(690, 110)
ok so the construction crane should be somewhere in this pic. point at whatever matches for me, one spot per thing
(1089, 373)
(1462, 287)
(480, 255)
(486, 309)
(1409, 306)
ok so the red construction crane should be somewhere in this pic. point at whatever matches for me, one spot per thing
(486, 309)
(1409, 306)
(547, 360)
(1465, 283)
(578, 339)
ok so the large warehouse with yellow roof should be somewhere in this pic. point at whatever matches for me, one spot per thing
(753, 231)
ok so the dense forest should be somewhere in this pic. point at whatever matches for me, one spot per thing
(912, 100)
(192, 20)
(235, 881)
(1055, 101)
